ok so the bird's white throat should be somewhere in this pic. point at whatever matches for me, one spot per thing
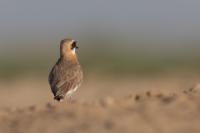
(74, 51)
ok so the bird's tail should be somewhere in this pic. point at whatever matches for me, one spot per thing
(59, 98)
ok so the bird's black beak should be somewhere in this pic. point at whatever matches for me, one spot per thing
(76, 45)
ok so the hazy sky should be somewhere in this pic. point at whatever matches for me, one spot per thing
(23, 21)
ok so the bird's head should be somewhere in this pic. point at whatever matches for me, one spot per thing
(68, 48)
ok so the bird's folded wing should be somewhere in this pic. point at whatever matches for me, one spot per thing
(65, 87)
(62, 81)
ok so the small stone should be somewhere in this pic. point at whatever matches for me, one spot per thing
(32, 108)
(148, 93)
(137, 97)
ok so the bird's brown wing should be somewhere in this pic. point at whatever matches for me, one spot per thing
(64, 77)
(71, 79)
(66, 87)
(54, 78)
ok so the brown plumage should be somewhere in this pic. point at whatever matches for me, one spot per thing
(66, 75)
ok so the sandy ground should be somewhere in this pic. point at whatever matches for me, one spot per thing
(167, 104)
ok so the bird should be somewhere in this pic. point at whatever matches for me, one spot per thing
(66, 75)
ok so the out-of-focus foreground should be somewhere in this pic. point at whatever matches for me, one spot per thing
(150, 111)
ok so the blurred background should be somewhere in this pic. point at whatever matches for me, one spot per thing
(130, 45)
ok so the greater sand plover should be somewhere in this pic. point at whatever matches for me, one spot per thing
(66, 75)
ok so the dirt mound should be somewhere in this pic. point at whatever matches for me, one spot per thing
(148, 112)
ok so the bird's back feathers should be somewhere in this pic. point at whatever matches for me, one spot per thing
(64, 76)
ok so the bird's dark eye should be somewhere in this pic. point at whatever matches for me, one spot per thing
(74, 45)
